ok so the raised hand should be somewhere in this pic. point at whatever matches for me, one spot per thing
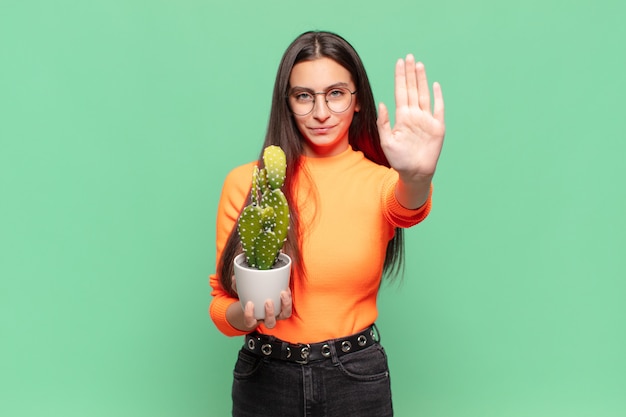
(414, 144)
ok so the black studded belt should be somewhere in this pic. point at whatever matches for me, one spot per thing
(270, 347)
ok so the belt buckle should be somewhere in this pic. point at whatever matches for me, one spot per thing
(305, 351)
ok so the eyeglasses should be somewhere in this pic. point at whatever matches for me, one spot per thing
(337, 99)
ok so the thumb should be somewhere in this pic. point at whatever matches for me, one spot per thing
(233, 284)
(383, 123)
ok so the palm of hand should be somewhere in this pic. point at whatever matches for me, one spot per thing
(414, 144)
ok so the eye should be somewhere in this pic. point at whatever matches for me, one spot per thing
(336, 93)
(302, 97)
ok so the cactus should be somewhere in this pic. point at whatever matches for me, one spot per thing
(263, 225)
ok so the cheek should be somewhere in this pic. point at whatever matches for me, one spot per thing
(300, 125)
(349, 118)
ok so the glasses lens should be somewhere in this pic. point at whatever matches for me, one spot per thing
(339, 99)
(302, 103)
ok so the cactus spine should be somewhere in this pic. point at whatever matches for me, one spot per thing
(263, 224)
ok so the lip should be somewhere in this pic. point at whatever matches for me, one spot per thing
(320, 130)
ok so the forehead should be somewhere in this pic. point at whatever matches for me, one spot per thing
(318, 74)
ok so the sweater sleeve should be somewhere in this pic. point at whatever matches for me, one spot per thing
(234, 193)
(395, 213)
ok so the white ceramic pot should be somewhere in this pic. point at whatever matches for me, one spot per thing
(259, 286)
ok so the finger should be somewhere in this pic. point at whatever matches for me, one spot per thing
(401, 97)
(286, 305)
(270, 319)
(422, 87)
(439, 108)
(412, 82)
(248, 316)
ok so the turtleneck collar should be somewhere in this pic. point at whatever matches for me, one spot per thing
(347, 156)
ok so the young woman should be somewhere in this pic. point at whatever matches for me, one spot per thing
(353, 183)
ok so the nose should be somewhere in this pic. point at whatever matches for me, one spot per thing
(320, 109)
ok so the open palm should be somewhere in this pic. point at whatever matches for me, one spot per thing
(414, 144)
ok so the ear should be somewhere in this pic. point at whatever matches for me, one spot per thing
(357, 106)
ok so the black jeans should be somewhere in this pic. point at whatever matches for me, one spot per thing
(356, 384)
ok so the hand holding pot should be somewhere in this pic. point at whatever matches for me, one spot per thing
(245, 320)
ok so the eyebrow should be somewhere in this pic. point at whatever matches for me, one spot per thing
(330, 87)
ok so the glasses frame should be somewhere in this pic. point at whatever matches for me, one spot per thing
(352, 93)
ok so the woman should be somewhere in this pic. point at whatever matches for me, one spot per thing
(353, 182)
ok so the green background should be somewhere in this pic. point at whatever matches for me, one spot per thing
(119, 120)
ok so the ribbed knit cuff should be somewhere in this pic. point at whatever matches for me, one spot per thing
(399, 215)
(217, 312)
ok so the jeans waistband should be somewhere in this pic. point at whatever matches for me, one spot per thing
(271, 347)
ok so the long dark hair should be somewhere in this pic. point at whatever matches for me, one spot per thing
(282, 131)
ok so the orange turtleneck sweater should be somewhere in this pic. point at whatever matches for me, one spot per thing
(349, 212)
